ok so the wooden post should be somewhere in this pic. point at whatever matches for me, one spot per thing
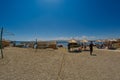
(1, 42)
(36, 44)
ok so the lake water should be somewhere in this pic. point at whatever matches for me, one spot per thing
(64, 43)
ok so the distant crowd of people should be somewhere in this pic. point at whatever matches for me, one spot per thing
(109, 45)
(81, 46)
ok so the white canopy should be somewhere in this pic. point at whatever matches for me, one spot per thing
(98, 40)
(72, 41)
(84, 40)
(112, 40)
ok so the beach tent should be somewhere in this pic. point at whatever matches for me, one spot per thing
(47, 44)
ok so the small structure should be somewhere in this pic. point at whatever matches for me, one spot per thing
(5, 43)
(73, 45)
(46, 44)
(111, 44)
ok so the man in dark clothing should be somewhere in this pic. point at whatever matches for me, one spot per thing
(68, 46)
(91, 47)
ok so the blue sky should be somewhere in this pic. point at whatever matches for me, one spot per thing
(60, 19)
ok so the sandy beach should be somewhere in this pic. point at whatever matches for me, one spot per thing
(49, 64)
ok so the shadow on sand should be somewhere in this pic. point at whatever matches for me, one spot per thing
(93, 55)
(75, 51)
(86, 50)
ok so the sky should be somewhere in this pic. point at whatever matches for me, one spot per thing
(60, 19)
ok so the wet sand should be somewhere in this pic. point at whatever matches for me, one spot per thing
(49, 64)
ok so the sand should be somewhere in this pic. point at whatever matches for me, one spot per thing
(49, 64)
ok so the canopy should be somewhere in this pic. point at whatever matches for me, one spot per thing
(98, 40)
(112, 40)
(72, 41)
(84, 41)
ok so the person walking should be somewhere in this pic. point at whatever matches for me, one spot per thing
(91, 48)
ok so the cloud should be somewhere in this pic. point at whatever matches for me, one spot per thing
(62, 38)
(84, 37)
(33, 38)
(76, 37)
(88, 37)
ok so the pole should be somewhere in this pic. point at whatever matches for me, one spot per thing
(1, 42)
(36, 44)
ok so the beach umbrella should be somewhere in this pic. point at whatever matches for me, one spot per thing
(98, 40)
(72, 41)
(84, 41)
(104, 40)
(112, 40)
(118, 40)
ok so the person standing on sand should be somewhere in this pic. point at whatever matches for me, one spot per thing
(68, 46)
(91, 47)
(85, 46)
(35, 46)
